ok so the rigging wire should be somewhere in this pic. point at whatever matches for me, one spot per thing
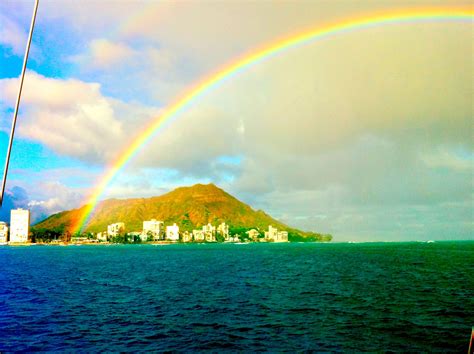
(17, 105)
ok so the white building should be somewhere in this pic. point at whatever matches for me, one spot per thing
(223, 230)
(209, 232)
(102, 236)
(198, 235)
(271, 234)
(234, 239)
(276, 236)
(253, 234)
(3, 232)
(187, 236)
(19, 225)
(153, 227)
(172, 232)
(282, 236)
(209, 228)
(115, 229)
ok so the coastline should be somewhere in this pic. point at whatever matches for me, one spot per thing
(168, 243)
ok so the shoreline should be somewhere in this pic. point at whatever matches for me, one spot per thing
(167, 243)
(161, 243)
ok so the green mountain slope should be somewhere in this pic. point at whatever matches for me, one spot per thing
(189, 207)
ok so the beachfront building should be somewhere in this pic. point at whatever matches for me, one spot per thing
(209, 232)
(198, 236)
(223, 230)
(271, 234)
(153, 228)
(187, 236)
(102, 236)
(282, 236)
(19, 225)
(115, 229)
(3, 232)
(172, 232)
(253, 235)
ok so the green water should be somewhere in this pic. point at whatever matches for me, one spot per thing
(277, 297)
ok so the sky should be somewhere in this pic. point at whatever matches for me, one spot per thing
(366, 135)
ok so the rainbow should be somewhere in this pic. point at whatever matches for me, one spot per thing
(207, 84)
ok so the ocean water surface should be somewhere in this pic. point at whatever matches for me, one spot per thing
(277, 297)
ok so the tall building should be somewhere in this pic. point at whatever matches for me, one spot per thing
(223, 230)
(271, 234)
(19, 225)
(115, 229)
(153, 227)
(3, 232)
(209, 232)
(172, 232)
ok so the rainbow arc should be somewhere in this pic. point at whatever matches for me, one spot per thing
(206, 85)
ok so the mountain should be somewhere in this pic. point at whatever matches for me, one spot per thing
(189, 207)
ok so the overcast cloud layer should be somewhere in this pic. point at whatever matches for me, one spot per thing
(366, 135)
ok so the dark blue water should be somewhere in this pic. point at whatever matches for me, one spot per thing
(277, 297)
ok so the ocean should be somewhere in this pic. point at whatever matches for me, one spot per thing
(228, 297)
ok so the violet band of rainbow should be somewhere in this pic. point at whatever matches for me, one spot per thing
(207, 84)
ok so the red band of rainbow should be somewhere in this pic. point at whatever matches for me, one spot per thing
(207, 84)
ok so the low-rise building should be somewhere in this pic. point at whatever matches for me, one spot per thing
(210, 237)
(253, 235)
(115, 229)
(102, 236)
(172, 232)
(153, 228)
(282, 236)
(3, 232)
(186, 236)
(198, 236)
(19, 225)
(234, 238)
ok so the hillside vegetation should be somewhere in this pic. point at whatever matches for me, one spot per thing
(189, 207)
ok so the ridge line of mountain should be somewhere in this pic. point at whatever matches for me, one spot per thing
(189, 207)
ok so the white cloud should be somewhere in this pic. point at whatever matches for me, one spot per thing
(73, 118)
(145, 73)
(12, 36)
(42, 204)
(57, 197)
(104, 54)
(449, 159)
(372, 119)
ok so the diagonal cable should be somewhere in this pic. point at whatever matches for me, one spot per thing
(17, 105)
